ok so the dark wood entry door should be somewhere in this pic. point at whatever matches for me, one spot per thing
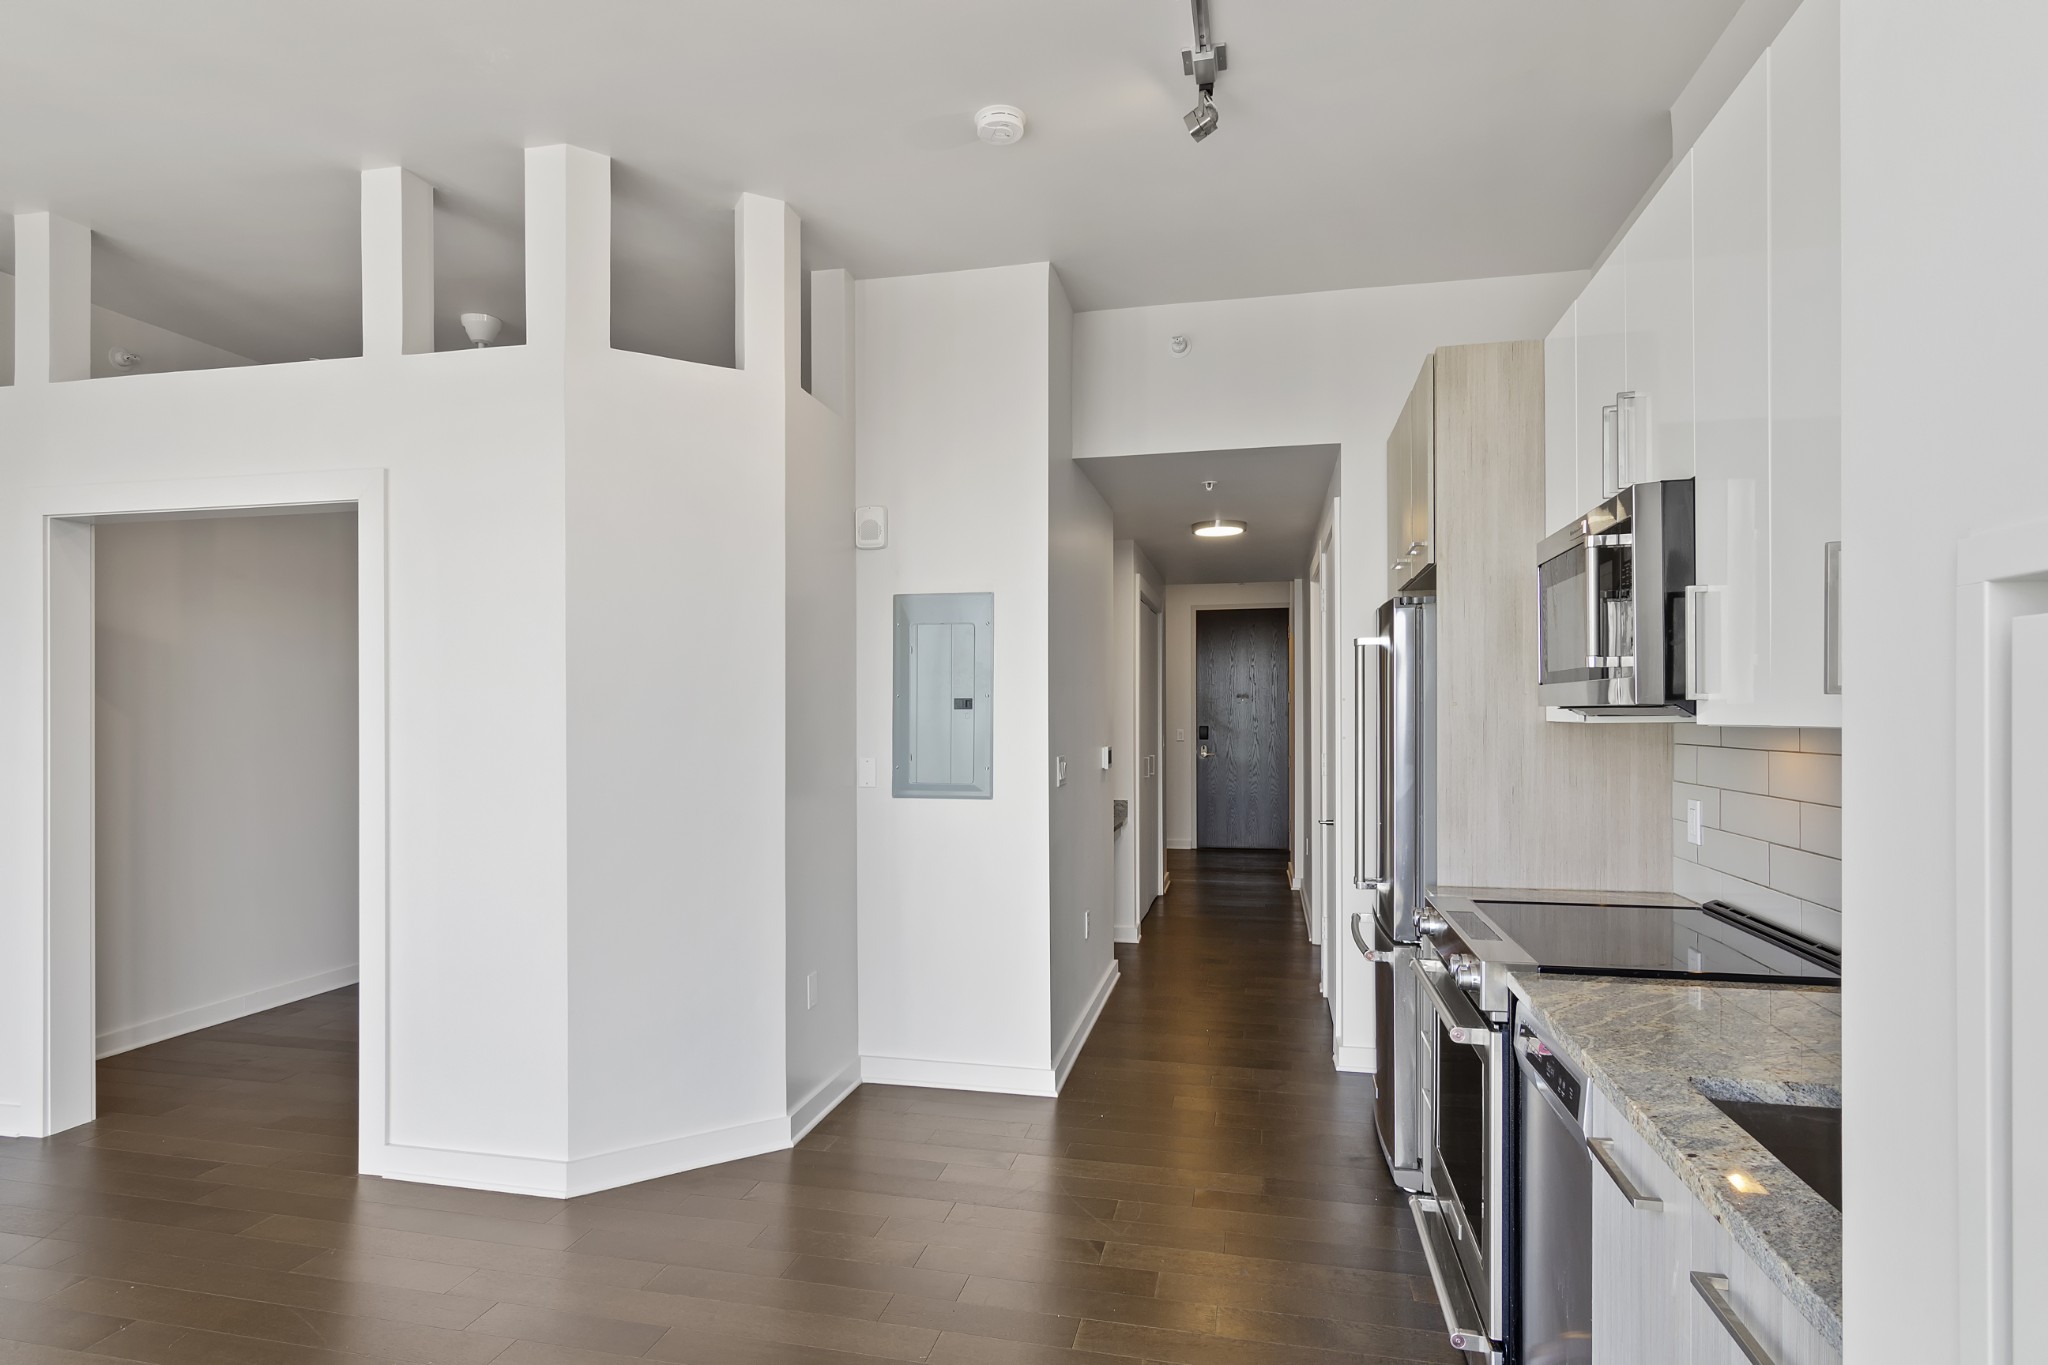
(1241, 752)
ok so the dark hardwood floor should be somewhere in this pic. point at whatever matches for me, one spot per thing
(1206, 1192)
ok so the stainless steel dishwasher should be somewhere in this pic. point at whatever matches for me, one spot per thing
(1554, 1185)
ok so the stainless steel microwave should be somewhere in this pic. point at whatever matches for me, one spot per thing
(1612, 635)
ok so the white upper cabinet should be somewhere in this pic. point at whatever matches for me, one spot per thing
(1656, 429)
(1602, 376)
(1806, 365)
(1560, 423)
(1732, 382)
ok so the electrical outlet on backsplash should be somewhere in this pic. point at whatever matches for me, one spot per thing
(1770, 822)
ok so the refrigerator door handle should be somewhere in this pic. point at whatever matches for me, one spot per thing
(1366, 730)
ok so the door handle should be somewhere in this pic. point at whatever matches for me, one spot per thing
(1610, 438)
(1695, 652)
(1625, 424)
(1831, 610)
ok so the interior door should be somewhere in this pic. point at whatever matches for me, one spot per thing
(1151, 788)
(1241, 758)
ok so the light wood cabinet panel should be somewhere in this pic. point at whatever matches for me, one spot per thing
(1602, 374)
(1520, 802)
(1411, 482)
(1638, 1312)
(1806, 356)
(1560, 423)
(1398, 474)
(1657, 431)
(1731, 367)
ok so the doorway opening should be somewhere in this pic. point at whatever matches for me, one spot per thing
(214, 795)
(1244, 679)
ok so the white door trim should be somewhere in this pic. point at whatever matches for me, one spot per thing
(59, 799)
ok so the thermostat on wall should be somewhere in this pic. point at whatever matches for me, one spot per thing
(870, 527)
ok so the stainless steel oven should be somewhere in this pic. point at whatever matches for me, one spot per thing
(1463, 1220)
(1615, 596)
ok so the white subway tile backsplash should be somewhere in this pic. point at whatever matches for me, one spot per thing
(1759, 737)
(1742, 770)
(1821, 741)
(1808, 876)
(1761, 817)
(1738, 855)
(1820, 830)
(1807, 777)
(1685, 763)
(1770, 805)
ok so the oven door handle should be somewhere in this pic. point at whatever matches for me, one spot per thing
(1462, 1318)
(1464, 1023)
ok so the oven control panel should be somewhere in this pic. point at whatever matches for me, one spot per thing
(1554, 1074)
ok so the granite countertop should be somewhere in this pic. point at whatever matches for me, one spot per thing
(1650, 1045)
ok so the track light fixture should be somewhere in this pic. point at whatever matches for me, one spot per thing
(1203, 61)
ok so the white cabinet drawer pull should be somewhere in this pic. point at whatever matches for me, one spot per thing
(1603, 1152)
(1714, 1289)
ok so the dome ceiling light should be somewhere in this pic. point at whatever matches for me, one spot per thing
(1218, 528)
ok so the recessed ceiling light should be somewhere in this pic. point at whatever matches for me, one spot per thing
(999, 124)
(1217, 528)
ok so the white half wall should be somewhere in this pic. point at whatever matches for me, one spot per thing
(1183, 600)
(953, 435)
(1079, 667)
(1943, 288)
(226, 757)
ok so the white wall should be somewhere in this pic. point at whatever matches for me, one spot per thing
(953, 434)
(1137, 581)
(1944, 288)
(226, 756)
(1183, 600)
(162, 351)
(1299, 369)
(1080, 637)
(824, 1039)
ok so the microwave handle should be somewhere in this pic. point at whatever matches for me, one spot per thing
(1594, 653)
(1610, 454)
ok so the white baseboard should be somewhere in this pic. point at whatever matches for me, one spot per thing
(1357, 1058)
(1127, 933)
(14, 1120)
(553, 1179)
(1180, 843)
(1077, 1036)
(126, 1039)
(936, 1075)
(826, 1096)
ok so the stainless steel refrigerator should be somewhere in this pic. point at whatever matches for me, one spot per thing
(1395, 858)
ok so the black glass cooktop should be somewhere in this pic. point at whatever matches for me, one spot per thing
(1714, 941)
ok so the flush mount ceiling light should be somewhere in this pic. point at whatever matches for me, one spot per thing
(1203, 61)
(1217, 528)
(999, 125)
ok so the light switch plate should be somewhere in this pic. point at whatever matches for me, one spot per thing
(811, 991)
(867, 771)
(1694, 834)
(1059, 772)
(1105, 758)
(1180, 736)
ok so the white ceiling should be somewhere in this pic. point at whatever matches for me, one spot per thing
(214, 144)
(1277, 491)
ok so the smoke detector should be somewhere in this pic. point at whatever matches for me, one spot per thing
(999, 124)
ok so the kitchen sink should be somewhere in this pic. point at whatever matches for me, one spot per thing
(1806, 1137)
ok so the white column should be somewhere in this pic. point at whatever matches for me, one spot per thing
(832, 340)
(398, 263)
(767, 302)
(52, 299)
(568, 248)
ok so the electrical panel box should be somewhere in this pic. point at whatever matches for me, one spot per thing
(945, 695)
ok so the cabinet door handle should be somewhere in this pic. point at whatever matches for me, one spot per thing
(1831, 631)
(1714, 1289)
(1695, 651)
(1603, 1152)
(1610, 437)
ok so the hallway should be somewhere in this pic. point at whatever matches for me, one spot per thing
(1206, 1192)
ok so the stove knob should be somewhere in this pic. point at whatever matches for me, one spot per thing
(1430, 922)
(1465, 970)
